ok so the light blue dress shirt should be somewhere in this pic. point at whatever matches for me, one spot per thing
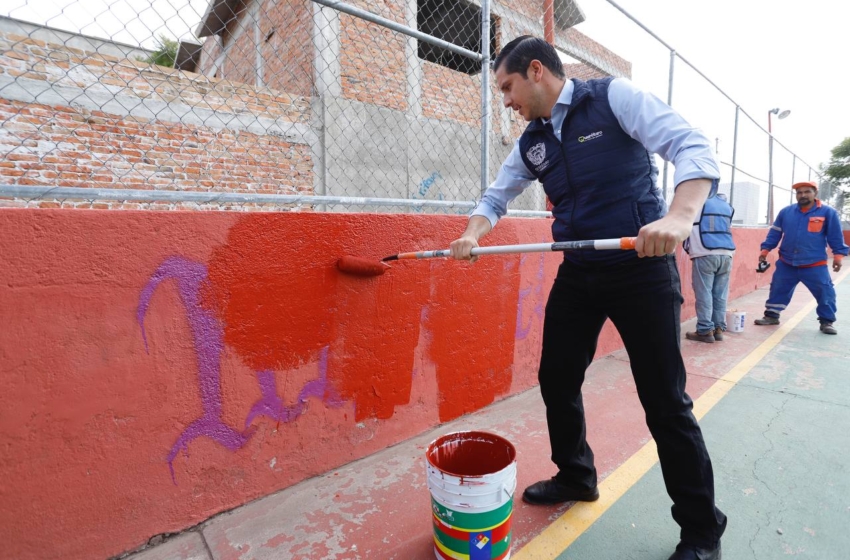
(642, 116)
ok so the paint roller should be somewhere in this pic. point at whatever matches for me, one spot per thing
(364, 267)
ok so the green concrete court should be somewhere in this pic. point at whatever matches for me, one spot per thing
(779, 440)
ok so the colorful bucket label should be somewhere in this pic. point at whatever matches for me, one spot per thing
(472, 536)
(472, 521)
(497, 550)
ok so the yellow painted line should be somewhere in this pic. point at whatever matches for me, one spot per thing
(558, 536)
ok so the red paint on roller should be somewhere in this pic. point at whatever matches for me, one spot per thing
(471, 453)
(361, 267)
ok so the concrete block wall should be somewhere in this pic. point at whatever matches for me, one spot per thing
(162, 367)
(329, 104)
(374, 98)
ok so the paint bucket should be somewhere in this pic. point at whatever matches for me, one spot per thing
(737, 319)
(472, 479)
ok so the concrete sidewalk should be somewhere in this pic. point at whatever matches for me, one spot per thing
(777, 439)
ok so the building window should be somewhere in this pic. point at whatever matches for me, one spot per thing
(457, 22)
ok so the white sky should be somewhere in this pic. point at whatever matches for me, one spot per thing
(761, 55)
(135, 22)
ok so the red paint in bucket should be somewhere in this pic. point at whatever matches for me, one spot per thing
(471, 453)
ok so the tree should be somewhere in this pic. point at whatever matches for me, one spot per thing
(837, 172)
(838, 169)
(165, 53)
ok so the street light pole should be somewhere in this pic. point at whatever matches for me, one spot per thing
(779, 115)
(770, 169)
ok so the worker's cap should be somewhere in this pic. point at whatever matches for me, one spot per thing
(803, 184)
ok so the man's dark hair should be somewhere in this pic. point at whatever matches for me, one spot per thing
(518, 54)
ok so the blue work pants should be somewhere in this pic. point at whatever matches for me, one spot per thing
(815, 278)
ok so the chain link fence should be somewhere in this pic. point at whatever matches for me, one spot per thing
(367, 105)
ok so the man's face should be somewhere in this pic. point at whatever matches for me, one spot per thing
(806, 196)
(520, 93)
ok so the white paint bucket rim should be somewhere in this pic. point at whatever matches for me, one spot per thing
(474, 480)
(474, 493)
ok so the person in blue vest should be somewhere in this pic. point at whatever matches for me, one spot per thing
(590, 144)
(711, 247)
(805, 228)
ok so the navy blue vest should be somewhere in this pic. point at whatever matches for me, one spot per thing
(715, 224)
(601, 181)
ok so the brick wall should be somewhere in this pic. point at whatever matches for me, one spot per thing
(238, 40)
(372, 60)
(447, 94)
(582, 72)
(532, 9)
(211, 50)
(59, 66)
(79, 119)
(288, 52)
(583, 47)
(373, 64)
(73, 147)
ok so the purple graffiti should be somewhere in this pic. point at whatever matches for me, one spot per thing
(208, 337)
(537, 289)
(209, 342)
(271, 405)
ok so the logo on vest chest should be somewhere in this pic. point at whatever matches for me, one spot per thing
(591, 136)
(537, 156)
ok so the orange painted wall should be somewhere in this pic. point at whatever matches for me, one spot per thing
(158, 368)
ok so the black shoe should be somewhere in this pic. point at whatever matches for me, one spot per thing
(827, 328)
(767, 321)
(552, 491)
(718, 334)
(686, 551)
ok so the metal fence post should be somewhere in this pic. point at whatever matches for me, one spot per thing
(793, 173)
(485, 95)
(670, 103)
(734, 158)
(770, 179)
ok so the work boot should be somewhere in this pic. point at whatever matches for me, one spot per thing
(699, 337)
(827, 328)
(718, 334)
(767, 321)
